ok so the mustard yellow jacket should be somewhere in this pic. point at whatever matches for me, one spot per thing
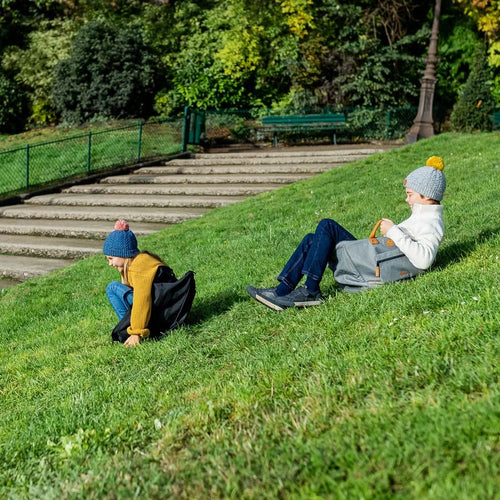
(140, 275)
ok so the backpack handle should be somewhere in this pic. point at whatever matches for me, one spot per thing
(372, 238)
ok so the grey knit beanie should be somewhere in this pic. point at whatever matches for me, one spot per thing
(121, 242)
(429, 181)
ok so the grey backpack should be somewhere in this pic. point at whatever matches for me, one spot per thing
(371, 262)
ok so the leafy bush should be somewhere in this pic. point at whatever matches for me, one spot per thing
(111, 73)
(13, 107)
(33, 65)
(367, 122)
(475, 105)
(228, 126)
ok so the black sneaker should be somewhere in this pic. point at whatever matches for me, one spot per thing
(268, 297)
(302, 297)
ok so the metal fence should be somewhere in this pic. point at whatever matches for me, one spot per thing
(34, 165)
(43, 163)
(237, 125)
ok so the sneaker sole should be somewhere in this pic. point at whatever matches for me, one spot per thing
(308, 303)
(268, 303)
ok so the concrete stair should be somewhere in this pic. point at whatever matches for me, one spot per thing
(50, 231)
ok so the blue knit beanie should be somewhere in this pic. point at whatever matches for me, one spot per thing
(429, 181)
(121, 242)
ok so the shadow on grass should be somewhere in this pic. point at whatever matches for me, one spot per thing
(454, 253)
(213, 306)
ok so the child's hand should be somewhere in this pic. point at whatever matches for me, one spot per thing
(386, 225)
(132, 341)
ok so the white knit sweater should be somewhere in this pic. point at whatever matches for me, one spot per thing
(419, 236)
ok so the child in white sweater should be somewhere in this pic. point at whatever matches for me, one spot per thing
(418, 237)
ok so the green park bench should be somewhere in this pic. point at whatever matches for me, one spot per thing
(303, 123)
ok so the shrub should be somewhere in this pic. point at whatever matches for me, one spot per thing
(110, 73)
(367, 122)
(475, 105)
(33, 65)
(13, 108)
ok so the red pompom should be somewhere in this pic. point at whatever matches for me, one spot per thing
(121, 225)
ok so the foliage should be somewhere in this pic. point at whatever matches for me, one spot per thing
(286, 53)
(391, 393)
(34, 65)
(475, 105)
(13, 106)
(369, 82)
(458, 45)
(367, 122)
(111, 73)
(240, 53)
(486, 15)
(358, 67)
(18, 18)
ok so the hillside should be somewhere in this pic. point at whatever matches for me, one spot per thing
(392, 393)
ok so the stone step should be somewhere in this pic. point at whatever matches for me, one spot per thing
(51, 231)
(133, 200)
(217, 168)
(20, 267)
(7, 283)
(70, 228)
(206, 179)
(175, 189)
(301, 153)
(286, 162)
(49, 247)
(132, 214)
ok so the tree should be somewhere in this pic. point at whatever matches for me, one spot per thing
(373, 54)
(475, 105)
(34, 66)
(458, 45)
(111, 73)
(239, 53)
(486, 15)
(12, 105)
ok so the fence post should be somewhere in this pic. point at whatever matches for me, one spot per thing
(185, 129)
(89, 152)
(139, 142)
(27, 166)
(387, 121)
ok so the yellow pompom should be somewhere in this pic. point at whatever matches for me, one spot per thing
(436, 162)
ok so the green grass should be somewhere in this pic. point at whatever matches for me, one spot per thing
(64, 153)
(392, 393)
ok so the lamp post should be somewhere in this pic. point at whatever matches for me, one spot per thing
(423, 125)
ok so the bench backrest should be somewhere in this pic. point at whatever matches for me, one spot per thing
(303, 119)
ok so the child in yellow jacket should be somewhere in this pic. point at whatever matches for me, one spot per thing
(137, 270)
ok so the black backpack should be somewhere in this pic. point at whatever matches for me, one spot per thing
(172, 301)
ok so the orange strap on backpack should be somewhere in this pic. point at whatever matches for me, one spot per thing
(372, 238)
(374, 241)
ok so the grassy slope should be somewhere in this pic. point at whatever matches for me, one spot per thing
(390, 393)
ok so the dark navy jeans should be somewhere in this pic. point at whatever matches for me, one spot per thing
(120, 297)
(314, 252)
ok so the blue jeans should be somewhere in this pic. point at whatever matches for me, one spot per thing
(314, 253)
(120, 297)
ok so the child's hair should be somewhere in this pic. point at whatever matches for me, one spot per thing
(428, 181)
(129, 260)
